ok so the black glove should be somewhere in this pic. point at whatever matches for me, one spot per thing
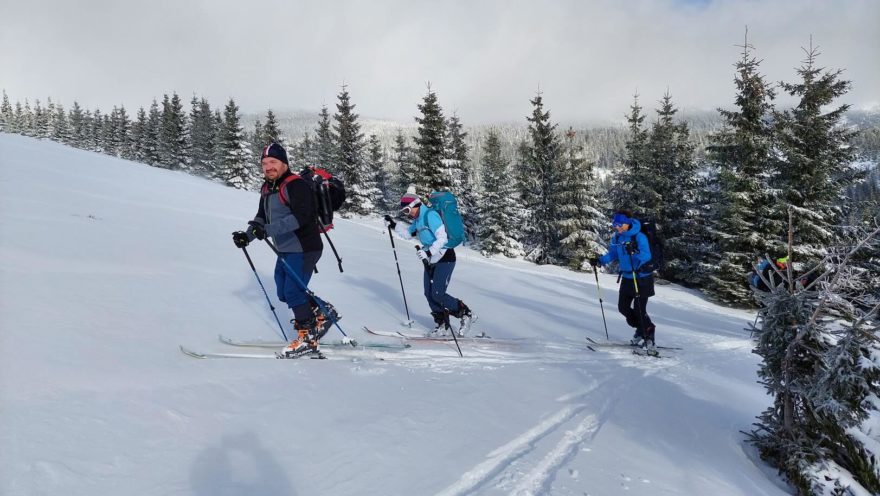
(240, 238)
(594, 261)
(631, 248)
(390, 221)
(257, 230)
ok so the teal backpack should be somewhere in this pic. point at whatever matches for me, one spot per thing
(444, 203)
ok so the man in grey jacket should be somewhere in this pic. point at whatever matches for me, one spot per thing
(288, 215)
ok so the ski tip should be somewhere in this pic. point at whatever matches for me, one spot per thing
(191, 353)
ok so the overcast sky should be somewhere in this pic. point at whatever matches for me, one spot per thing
(485, 59)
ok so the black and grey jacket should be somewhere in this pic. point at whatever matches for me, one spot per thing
(293, 227)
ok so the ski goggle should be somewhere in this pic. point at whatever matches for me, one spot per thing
(409, 208)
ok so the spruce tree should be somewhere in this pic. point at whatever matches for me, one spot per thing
(272, 131)
(26, 119)
(743, 155)
(403, 165)
(524, 179)
(628, 189)
(378, 176)
(325, 143)
(7, 115)
(50, 118)
(41, 121)
(203, 137)
(233, 151)
(151, 136)
(455, 156)
(677, 186)
(461, 175)
(360, 188)
(108, 133)
(543, 157)
(258, 140)
(96, 132)
(61, 128)
(173, 139)
(304, 153)
(429, 147)
(580, 219)
(819, 347)
(77, 119)
(121, 133)
(217, 157)
(816, 150)
(106, 136)
(498, 229)
(138, 136)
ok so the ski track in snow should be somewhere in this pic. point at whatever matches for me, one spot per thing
(501, 465)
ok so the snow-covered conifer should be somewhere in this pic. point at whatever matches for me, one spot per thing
(235, 164)
(498, 228)
(430, 147)
(742, 153)
(580, 222)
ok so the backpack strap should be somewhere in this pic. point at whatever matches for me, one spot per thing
(282, 188)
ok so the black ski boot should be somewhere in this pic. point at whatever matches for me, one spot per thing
(441, 325)
(325, 322)
(467, 318)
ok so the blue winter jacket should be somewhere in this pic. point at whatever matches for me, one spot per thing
(426, 227)
(617, 251)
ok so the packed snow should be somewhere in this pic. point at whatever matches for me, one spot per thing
(107, 266)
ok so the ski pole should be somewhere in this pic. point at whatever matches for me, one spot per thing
(335, 253)
(308, 291)
(399, 276)
(601, 304)
(446, 316)
(272, 307)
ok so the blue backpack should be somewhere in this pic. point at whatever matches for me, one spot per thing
(445, 204)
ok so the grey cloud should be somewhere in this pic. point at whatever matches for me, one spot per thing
(485, 59)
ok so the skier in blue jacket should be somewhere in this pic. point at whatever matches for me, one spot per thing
(630, 248)
(439, 262)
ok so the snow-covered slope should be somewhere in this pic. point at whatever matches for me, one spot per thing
(107, 266)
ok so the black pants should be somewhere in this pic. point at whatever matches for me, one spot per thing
(637, 314)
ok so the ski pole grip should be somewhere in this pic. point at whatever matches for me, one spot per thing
(425, 262)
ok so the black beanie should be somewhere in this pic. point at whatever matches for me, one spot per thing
(275, 150)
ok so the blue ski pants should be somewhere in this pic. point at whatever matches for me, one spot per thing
(291, 291)
(436, 280)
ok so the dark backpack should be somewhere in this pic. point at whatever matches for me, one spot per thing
(655, 241)
(329, 192)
